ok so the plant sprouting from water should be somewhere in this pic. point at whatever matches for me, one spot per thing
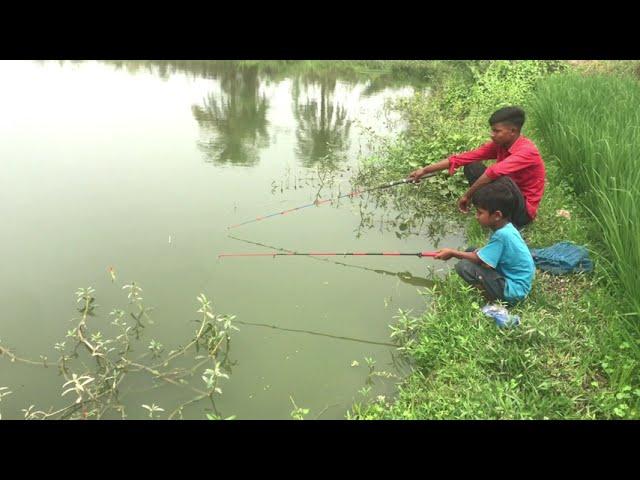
(78, 384)
(156, 348)
(96, 367)
(210, 378)
(298, 413)
(4, 391)
(152, 409)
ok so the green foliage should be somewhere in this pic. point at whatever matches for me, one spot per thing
(298, 413)
(575, 355)
(453, 117)
(152, 409)
(559, 363)
(96, 366)
(4, 391)
(213, 416)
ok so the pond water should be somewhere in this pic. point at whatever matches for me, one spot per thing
(141, 167)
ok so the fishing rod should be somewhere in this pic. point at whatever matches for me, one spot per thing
(405, 277)
(319, 202)
(317, 254)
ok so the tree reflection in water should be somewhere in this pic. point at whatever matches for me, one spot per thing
(235, 122)
(323, 126)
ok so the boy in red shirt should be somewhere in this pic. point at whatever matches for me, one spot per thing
(519, 166)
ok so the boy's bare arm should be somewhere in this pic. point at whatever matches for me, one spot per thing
(434, 167)
(447, 253)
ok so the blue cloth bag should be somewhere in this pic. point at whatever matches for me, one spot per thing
(562, 258)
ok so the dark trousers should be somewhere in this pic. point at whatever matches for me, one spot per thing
(491, 281)
(520, 217)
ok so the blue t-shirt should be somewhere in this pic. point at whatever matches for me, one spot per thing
(509, 255)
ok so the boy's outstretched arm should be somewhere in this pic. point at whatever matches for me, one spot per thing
(416, 175)
(447, 253)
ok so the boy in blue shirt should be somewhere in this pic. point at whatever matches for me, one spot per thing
(503, 268)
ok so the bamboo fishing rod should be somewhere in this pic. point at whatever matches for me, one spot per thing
(336, 254)
(320, 202)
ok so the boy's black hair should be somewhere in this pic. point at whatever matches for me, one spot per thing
(494, 196)
(511, 115)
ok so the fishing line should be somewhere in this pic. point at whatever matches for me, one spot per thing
(319, 202)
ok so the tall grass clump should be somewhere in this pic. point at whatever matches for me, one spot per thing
(591, 126)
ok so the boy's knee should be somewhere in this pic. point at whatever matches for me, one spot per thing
(465, 269)
(473, 171)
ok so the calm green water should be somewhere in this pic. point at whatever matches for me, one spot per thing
(142, 168)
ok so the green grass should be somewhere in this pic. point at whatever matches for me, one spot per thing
(572, 357)
(576, 353)
(611, 67)
(552, 366)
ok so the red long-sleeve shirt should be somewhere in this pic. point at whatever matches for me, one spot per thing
(522, 162)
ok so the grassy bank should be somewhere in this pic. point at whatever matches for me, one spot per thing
(575, 354)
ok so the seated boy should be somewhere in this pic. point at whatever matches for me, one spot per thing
(504, 268)
(519, 166)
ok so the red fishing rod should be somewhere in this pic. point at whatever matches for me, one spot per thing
(320, 202)
(317, 254)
